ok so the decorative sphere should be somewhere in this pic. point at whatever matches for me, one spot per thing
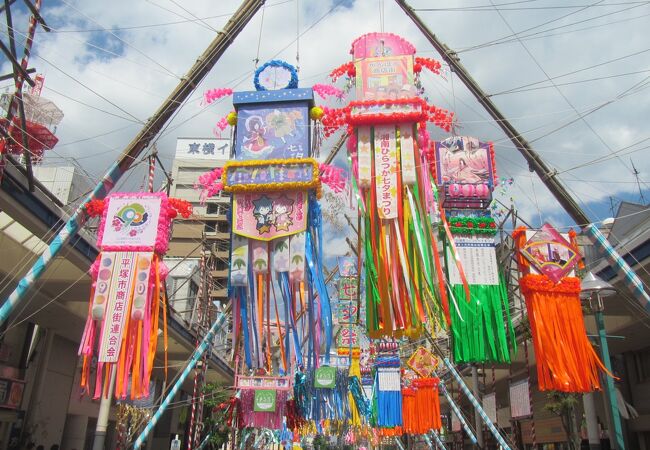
(231, 118)
(316, 113)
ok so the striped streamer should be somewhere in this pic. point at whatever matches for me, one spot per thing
(476, 405)
(71, 228)
(205, 343)
(622, 268)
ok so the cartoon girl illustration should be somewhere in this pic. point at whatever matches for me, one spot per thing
(282, 209)
(255, 130)
(263, 213)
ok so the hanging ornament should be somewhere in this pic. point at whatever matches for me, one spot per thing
(566, 360)
(123, 318)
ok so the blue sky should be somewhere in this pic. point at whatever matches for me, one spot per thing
(107, 83)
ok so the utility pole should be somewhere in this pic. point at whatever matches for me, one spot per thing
(183, 90)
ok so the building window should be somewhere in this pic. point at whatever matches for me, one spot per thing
(214, 208)
(210, 226)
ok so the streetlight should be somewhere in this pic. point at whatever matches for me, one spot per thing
(595, 289)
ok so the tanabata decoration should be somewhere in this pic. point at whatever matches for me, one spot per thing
(387, 400)
(566, 360)
(124, 310)
(276, 263)
(388, 147)
(481, 327)
(263, 400)
(421, 406)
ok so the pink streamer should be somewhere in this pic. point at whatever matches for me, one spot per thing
(210, 184)
(333, 176)
(213, 95)
(327, 90)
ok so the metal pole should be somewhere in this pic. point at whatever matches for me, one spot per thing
(495, 432)
(104, 412)
(616, 428)
(438, 440)
(458, 413)
(188, 83)
(478, 426)
(592, 421)
(205, 343)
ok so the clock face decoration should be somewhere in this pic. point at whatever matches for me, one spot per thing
(276, 75)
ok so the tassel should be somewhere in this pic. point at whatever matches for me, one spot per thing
(566, 361)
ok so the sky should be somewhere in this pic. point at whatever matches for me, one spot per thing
(572, 76)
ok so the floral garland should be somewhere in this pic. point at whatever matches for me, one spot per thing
(335, 118)
(293, 83)
(473, 225)
(431, 64)
(345, 69)
(332, 176)
(327, 90)
(541, 283)
(314, 183)
(211, 183)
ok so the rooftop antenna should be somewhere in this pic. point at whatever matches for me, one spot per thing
(638, 183)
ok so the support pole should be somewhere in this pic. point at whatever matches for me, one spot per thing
(188, 83)
(592, 420)
(478, 426)
(104, 412)
(458, 413)
(205, 343)
(438, 440)
(486, 420)
(535, 162)
(615, 428)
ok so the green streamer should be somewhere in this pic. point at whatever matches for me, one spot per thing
(481, 335)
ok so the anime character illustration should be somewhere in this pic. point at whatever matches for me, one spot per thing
(282, 209)
(254, 140)
(465, 162)
(283, 123)
(263, 213)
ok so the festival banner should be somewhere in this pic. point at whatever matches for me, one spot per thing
(386, 171)
(364, 157)
(348, 288)
(131, 222)
(478, 258)
(347, 312)
(550, 253)
(325, 377)
(490, 406)
(268, 216)
(407, 154)
(264, 400)
(120, 284)
(385, 78)
(272, 131)
(519, 400)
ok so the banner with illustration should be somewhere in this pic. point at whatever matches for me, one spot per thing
(270, 215)
(131, 222)
(275, 131)
(388, 78)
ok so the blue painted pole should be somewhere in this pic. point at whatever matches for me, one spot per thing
(438, 439)
(204, 442)
(198, 352)
(458, 413)
(477, 406)
(630, 278)
(176, 99)
(70, 229)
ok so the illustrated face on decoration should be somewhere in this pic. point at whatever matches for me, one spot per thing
(282, 209)
(254, 140)
(262, 213)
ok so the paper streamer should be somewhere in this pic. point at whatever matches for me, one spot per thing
(407, 154)
(364, 157)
